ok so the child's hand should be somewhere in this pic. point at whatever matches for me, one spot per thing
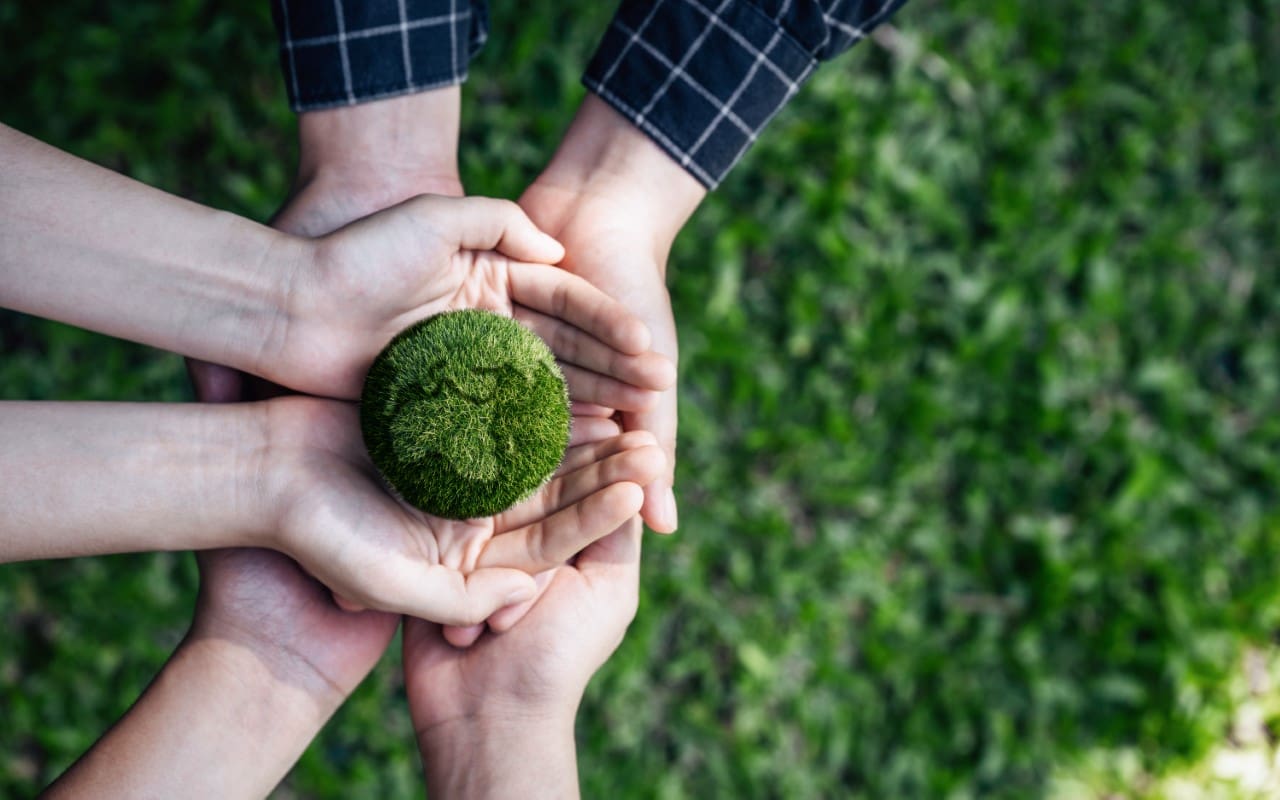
(375, 277)
(374, 551)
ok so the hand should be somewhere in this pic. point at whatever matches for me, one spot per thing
(375, 551)
(261, 602)
(616, 202)
(370, 280)
(354, 161)
(496, 719)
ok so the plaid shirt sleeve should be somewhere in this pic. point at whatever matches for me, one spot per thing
(342, 52)
(703, 77)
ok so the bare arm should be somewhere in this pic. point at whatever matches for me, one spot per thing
(87, 246)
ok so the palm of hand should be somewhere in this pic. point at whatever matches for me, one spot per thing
(604, 245)
(378, 277)
(340, 494)
(543, 664)
(374, 550)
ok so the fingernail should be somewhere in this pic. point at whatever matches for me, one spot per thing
(669, 509)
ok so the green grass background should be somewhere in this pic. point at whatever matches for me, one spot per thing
(980, 451)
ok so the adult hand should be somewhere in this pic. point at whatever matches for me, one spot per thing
(354, 161)
(371, 279)
(375, 551)
(496, 719)
(616, 202)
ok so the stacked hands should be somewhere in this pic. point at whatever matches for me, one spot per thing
(307, 561)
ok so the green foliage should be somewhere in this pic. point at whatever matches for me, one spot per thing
(980, 374)
(465, 414)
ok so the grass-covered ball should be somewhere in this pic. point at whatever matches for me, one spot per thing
(465, 414)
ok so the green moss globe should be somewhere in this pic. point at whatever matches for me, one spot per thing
(465, 414)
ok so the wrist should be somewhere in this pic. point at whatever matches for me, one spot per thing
(243, 427)
(267, 675)
(385, 150)
(242, 315)
(604, 158)
(502, 756)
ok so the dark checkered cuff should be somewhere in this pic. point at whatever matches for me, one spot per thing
(342, 52)
(704, 77)
(701, 83)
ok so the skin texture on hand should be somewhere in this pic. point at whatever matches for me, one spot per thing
(90, 247)
(375, 277)
(379, 552)
(496, 720)
(291, 474)
(354, 161)
(616, 202)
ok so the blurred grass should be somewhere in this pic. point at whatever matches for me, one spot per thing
(979, 430)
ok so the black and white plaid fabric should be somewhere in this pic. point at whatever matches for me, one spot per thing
(701, 77)
(341, 52)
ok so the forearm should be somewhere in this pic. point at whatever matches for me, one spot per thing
(508, 757)
(87, 246)
(93, 478)
(217, 722)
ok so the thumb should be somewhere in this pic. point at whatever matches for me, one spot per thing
(448, 597)
(486, 223)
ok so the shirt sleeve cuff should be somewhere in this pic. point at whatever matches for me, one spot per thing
(701, 82)
(354, 52)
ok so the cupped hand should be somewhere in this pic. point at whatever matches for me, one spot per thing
(371, 279)
(539, 669)
(608, 244)
(375, 551)
(616, 201)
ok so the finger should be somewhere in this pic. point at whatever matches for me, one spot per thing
(463, 637)
(659, 509)
(347, 605)
(444, 595)
(508, 617)
(592, 410)
(611, 567)
(615, 557)
(486, 223)
(551, 541)
(592, 387)
(647, 370)
(214, 383)
(582, 455)
(592, 429)
(640, 465)
(560, 294)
